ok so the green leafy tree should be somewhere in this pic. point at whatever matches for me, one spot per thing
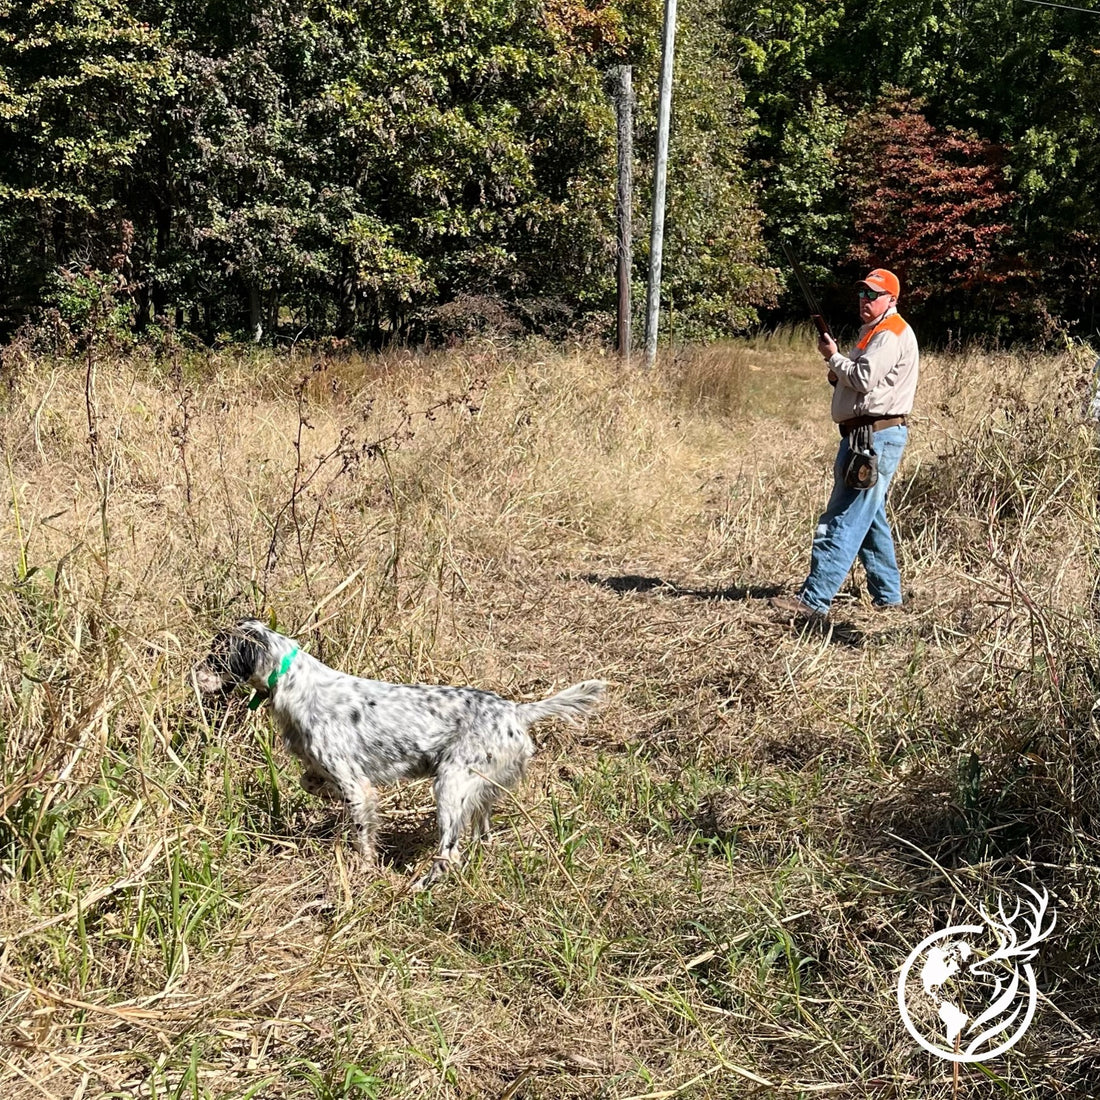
(79, 80)
(1048, 113)
(349, 168)
(357, 165)
(796, 122)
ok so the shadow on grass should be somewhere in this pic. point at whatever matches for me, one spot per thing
(400, 844)
(836, 630)
(833, 631)
(636, 583)
(404, 844)
(404, 839)
(972, 811)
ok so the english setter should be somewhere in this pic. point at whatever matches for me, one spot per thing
(353, 735)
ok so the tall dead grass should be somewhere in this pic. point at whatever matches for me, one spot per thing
(705, 892)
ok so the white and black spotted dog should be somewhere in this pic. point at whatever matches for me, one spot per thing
(354, 735)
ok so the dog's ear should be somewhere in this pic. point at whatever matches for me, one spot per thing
(245, 649)
(236, 653)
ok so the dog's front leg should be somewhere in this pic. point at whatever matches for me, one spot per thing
(362, 803)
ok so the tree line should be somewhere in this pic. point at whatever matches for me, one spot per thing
(409, 170)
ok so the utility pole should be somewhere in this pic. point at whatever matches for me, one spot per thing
(660, 175)
(624, 111)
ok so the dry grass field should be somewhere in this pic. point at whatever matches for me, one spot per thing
(705, 891)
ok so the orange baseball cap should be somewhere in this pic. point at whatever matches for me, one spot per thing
(882, 280)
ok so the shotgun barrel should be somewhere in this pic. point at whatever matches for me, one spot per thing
(815, 310)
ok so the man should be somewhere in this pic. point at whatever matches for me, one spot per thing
(874, 386)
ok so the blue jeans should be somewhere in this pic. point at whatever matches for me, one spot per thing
(854, 525)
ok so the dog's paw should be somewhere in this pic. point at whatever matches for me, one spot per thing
(363, 847)
(432, 875)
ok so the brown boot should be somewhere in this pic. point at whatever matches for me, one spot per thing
(795, 610)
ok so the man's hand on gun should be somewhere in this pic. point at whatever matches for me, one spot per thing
(827, 346)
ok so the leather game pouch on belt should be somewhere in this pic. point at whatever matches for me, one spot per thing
(861, 465)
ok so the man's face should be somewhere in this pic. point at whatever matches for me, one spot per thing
(870, 308)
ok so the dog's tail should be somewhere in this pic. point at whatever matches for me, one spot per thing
(570, 703)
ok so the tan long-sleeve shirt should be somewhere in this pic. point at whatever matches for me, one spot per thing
(879, 376)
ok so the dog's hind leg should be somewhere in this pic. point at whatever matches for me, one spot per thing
(461, 797)
(489, 789)
(456, 802)
(485, 798)
(482, 826)
(318, 785)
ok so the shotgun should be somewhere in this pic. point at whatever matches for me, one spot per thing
(815, 310)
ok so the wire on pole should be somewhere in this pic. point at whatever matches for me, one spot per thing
(1064, 7)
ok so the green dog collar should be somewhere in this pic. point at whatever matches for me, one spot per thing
(258, 698)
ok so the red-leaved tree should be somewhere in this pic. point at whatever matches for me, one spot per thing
(932, 205)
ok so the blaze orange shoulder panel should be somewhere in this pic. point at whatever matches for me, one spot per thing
(893, 323)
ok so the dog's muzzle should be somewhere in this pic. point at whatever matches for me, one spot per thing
(209, 681)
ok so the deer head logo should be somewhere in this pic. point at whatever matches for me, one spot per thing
(976, 993)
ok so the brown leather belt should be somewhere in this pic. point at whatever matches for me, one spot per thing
(877, 423)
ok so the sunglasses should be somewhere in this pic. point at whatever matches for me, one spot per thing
(870, 295)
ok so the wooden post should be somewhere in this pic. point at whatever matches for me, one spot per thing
(624, 110)
(660, 176)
